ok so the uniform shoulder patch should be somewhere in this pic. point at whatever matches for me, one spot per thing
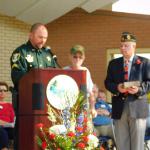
(15, 57)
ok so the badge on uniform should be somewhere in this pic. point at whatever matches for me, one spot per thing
(15, 57)
(48, 58)
(29, 58)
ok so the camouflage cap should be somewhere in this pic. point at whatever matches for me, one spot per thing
(128, 37)
(77, 49)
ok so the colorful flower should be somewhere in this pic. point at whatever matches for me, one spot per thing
(70, 134)
(79, 129)
(40, 125)
(85, 120)
(138, 61)
(85, 139)
(51, 136)
(81, 145)
(44, 145)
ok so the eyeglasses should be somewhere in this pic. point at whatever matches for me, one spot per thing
(75, 57)
(2, 90)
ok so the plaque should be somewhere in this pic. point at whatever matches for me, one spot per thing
(131, 83)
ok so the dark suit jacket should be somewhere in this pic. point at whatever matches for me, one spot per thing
(140, 71)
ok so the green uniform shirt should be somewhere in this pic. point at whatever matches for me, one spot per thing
(26, 57)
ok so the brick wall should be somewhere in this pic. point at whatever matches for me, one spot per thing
(12, 34)
(98, 32)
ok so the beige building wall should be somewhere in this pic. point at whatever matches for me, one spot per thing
(12, 34)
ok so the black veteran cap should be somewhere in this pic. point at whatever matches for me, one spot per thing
(77, 49)
(128, 37)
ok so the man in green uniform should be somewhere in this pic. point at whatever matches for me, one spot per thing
(30, 55)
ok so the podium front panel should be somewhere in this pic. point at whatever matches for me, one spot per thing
(32, 88)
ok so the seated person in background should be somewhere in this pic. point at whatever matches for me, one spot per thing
(103, 122)
(7, 116)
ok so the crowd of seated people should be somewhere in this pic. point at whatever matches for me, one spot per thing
(7, 117)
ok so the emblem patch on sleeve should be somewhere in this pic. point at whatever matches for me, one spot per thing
(15, 57)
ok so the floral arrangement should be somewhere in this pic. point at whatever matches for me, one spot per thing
(71, 129)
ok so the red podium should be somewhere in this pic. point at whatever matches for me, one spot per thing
(33, 101)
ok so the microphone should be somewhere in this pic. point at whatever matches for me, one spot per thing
(48, 48)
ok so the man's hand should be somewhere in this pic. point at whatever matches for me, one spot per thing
(104, 112)
(121, 89)
(133, 90)
(94, 113)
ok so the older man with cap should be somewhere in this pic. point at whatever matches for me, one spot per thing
(128, 79)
